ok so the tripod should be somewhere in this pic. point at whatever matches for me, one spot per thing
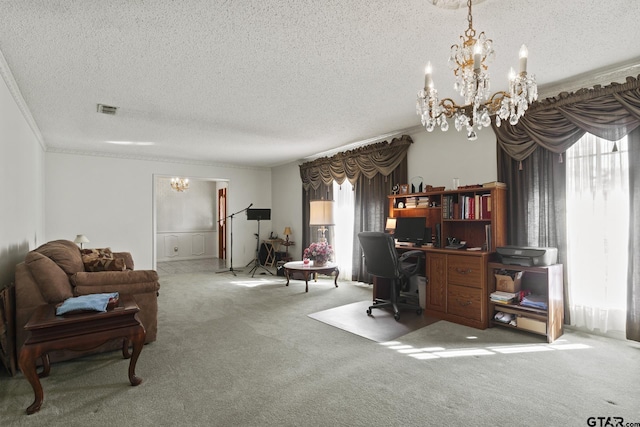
(231, 258)
(256, 260)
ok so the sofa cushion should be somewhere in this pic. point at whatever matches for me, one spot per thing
(65, 253)
(105, 264)
(52, 281)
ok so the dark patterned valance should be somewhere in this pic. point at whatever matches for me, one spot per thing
(379, 158)
(609, 112)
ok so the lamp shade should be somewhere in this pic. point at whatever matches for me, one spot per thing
(391, 224)
(287, 231)
(81, 238)
(321, 212)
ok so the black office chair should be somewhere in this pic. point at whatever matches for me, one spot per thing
(382, 260)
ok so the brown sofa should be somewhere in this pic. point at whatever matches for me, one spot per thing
(56, 271)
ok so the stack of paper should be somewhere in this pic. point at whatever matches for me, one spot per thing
(504, 297)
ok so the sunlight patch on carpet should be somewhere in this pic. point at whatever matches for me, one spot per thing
(252, 283)
(431, 353)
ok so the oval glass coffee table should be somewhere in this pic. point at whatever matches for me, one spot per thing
(309, 269)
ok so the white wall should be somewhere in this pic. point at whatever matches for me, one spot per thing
(21, 192)
(438, 157)
(287, 202)
(110, 200)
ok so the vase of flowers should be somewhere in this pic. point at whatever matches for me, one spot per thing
(320, 253)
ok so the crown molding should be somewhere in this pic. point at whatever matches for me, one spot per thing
(603, 76)
(7, 76)
(357, 144)
(57, 150)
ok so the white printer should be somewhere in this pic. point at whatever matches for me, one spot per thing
(527, 256)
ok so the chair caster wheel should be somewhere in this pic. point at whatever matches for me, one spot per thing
(396, 316)
(369, 311)
(419, 311)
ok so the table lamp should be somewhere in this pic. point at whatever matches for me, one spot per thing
(286, 232)
(321, 214)
(390, 226)
(82, 239)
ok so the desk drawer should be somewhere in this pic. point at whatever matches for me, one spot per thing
(465, 302)
(464, 270)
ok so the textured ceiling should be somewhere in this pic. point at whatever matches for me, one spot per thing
(265, 82)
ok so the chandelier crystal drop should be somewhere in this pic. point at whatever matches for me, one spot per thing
(180, 184)
(469, 61)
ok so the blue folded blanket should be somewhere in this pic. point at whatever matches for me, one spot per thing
(92, 302)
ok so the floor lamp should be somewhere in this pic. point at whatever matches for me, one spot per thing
(321, 214)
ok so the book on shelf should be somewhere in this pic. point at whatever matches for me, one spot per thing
(487, 237)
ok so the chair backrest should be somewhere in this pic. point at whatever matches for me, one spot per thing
(380, 256)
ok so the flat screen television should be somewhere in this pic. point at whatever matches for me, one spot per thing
(412, 230)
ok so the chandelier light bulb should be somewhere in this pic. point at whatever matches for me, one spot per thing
(477, 58)
(524, 53)
(428, 81)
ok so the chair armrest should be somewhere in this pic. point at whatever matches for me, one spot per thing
(410, 268)
(125, 282)
(410, 254)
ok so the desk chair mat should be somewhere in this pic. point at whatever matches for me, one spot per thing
(379, 327)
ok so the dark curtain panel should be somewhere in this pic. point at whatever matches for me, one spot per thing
(633, 276)
(536, 203)
(372, 210)
(535, 175)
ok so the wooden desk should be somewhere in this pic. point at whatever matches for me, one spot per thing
(79, 332)
(309, 269)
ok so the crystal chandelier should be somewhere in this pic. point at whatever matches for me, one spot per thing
(180, 184)
(468, 61)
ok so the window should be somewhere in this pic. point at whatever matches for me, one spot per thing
(344, 230)
(597, 232)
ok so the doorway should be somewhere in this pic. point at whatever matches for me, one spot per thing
(222, 223)
(186, 223)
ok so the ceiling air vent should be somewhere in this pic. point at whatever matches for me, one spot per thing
(107, 109)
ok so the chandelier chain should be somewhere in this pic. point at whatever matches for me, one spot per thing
(470, 33)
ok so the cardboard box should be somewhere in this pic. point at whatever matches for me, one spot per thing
(532, 325)
(507, 284)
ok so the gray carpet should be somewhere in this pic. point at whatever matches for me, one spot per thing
(237, 351)
(380, 326)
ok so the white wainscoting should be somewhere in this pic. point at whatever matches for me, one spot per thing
(175, 246)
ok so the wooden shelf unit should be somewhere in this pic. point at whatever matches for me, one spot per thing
(457, 286)
(471, 231)
(547, 281)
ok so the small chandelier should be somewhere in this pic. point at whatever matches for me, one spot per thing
(180, 184)
(468, 61)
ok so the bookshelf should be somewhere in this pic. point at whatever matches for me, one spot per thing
(475, 215)
(546, 283)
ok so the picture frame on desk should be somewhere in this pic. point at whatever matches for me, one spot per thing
(404, 188)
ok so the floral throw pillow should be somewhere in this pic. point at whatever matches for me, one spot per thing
(105, 264)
